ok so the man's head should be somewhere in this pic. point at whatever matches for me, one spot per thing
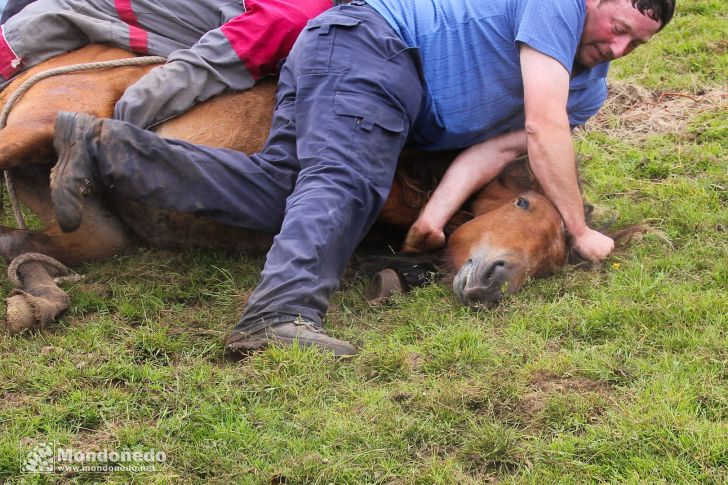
(614, 28)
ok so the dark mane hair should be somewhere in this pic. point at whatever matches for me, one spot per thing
(420, 172)
(658, 10)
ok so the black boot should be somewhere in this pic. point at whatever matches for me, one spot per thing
(284, 330)
(75, 175)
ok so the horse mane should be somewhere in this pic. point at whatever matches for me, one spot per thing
(419, 173)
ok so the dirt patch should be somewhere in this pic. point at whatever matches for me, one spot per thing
(545, 385)
(95, 440)
(415, 361)
(632, 112)
(14, 400)
(106, 437)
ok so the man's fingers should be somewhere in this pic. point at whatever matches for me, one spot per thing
(594, 246)
(423, 241)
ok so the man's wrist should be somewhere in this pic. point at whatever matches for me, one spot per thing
(431, 218)
(577, 230)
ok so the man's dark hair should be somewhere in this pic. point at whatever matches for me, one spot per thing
(658, 10)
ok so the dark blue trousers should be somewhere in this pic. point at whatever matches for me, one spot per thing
(348, 95)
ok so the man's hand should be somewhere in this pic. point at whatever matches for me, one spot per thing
(472, 169)
(423, 237)
(593, 245)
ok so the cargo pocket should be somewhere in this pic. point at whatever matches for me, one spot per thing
(320, 51)
(373, 133)
(368, 112)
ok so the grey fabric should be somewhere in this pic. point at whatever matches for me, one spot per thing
(190, 76)
(201, 61)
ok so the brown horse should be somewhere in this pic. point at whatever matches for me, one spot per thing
(515, 232)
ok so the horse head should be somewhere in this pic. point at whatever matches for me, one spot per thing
(497, 251)
(516, 233)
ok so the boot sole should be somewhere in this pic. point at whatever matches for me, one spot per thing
(252, 344)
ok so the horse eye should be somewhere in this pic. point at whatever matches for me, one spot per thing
(522, 203)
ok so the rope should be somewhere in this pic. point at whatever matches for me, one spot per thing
(10, 187)
(28, 83)
(62, 273)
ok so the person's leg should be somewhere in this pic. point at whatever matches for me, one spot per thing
(44, 29)
(357, 93)
(129, 162)
(225, 185)
(351, 89)
(182, 21)
(47, 28)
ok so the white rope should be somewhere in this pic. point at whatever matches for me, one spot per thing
(62, 273)
(14, 204)
(28, 83)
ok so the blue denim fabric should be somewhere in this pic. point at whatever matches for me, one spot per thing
(348, 95)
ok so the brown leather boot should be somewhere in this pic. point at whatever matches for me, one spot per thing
(286, 332)
(75, 175)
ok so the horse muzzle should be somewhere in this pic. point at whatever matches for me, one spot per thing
(481, 283)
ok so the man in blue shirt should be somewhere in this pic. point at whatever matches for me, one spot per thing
(510, 76)
(561, 49)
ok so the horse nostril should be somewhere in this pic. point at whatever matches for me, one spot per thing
(484, 286)
(492, 270)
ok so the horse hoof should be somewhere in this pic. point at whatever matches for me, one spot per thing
(384, 284)
(24, 311)
(18, 314)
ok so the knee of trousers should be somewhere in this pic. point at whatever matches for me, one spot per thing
(341, 190)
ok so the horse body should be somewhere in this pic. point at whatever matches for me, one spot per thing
(499, 247)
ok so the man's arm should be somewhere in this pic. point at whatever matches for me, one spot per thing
(550, 148)
(470, 171)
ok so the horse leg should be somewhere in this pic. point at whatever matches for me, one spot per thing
(38, 301)
(89, 243)
(101, 234)
(27, 142)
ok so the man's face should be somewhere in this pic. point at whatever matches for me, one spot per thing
(613, 29)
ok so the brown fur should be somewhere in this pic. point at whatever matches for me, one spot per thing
(533, 239)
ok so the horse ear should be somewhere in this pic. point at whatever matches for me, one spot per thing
(623, 237)
(518, 174)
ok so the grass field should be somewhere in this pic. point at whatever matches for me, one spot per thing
(617, 374)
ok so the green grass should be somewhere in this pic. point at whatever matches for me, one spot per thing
(617, 374)
(690, 54)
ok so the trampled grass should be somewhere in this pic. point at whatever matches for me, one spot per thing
(617, 374)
